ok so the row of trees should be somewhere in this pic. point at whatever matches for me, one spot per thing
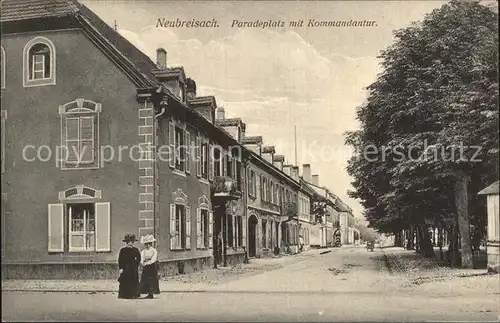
(429, 129)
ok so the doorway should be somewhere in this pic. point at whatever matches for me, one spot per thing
(252, 236)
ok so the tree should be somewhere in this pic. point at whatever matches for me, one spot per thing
(430, 110)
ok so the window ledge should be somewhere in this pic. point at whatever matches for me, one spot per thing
(179, 172)
(204, 181)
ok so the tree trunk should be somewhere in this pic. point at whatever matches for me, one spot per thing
(453, 254)
(440, 243)
(461, 202)
(409, 245)
(417, 239)
(426, 248)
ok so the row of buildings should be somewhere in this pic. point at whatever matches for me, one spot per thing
(98, 141)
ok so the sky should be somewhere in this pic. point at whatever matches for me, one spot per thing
(277, 79)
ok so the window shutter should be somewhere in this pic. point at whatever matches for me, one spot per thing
(199, 229)
(198, 157)
(87, 142)
(102, 227)
(173, 231)
(210, 162)
(72, 140)
(224, 165)
(244, 233)
(171, 143)
(188, 227)
(235, 231)
(210, 229)
(188, 151)
(56, 228)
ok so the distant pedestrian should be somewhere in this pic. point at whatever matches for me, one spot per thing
(301, 243)
(129, 259)
(149, 259)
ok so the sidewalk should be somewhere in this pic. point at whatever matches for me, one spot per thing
(192, 282)
(424, 275)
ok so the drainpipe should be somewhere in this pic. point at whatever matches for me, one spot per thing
(245, 201)
(155, 127)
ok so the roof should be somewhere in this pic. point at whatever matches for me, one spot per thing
(279, 158)
(268, 150)
(171, 72)
(490, 190)
(16, 10)
(252, 140)
(120, 50)
(231, 122)
(203, 100)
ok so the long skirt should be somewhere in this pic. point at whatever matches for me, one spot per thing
(129, 285)
(149, 280)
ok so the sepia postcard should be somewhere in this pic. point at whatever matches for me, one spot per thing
(250, 161)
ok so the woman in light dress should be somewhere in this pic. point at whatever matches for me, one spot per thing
(149, 260)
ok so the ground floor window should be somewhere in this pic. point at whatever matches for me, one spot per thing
(230, 231)
(264, 234)
(180, 226)
(81, 227)
(203, 228)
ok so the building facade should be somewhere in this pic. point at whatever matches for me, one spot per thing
(114, 144)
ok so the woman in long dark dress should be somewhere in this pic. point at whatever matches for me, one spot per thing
(149, 280)
(129, 259)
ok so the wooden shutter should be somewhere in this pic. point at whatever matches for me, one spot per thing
(244, 226)
(87, 144)
(198, 156)
(56, 228)
(187, 154)
(210, 229)
(72, 138)
(188, 227)
(224, 165)
(102, 226)
(235, 231)
(173, 231)
(199, 229)
(171, 143)
(210, 162)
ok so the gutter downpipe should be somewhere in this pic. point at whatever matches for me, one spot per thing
(154, 157)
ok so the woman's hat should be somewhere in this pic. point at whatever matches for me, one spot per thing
(129, 237)
(148, 239)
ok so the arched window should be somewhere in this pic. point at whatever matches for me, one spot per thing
(2, 67)
(39, 60)
(79, 134)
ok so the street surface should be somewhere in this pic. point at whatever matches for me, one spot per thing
(347, 284)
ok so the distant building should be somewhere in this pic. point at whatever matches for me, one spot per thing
(493, 242)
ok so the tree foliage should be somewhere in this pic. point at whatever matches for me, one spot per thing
(431, 115)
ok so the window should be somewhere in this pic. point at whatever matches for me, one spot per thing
(218, 170)
(179, 224)
(236, 165)
(264, 189)
(204, 160)
(2, 67)
(39, 62)
(79, 223)
(239, 226)
(230, 170)
(182, 92)
(79, 134)
(81, 219)
(252, 184)
(264, 234)
(180, 157)
(230, 232)
(4, 117)
(203, 229)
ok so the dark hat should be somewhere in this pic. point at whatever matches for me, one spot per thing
(129, 237)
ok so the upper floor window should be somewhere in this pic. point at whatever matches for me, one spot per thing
(204, 160)
(79, 134)
(39, 60)
(2, 67)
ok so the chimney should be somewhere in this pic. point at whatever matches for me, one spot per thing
(190, 88)
(287, 169)
(295, 172)
(315, 180)
(278, 161)
(306, 172)
(268, 153)
(221, 113)
(161, 58)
